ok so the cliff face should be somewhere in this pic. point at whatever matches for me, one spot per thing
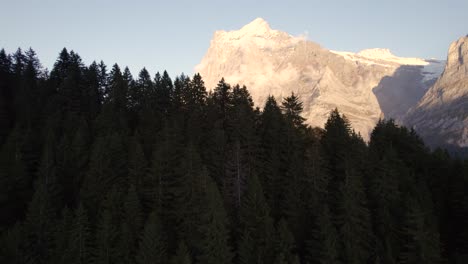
(271, 62)
(441, 117)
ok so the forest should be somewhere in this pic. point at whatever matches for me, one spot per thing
(98, 166)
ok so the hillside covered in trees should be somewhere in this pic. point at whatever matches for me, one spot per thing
(97, 166)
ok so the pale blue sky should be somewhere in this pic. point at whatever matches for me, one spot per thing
(175, 35)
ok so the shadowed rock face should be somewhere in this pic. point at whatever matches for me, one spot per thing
(271, 62)
(401, 91)
(441, 117)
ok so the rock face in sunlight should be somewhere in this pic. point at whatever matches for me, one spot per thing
(441, 117)
(364, 86)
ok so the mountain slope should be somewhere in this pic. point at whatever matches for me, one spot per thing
(271, 62)
(441, 117)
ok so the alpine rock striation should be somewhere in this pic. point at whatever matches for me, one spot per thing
(441, 116)
(365, 86)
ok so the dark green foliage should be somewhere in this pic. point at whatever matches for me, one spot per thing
(256, 226)
(15, 181)
(137, 166)
(348, 200)
(39, 227)
(106, 248)
(152, 248)
(99, 167)
(323, 247)
(214, 241)
(182, 255)
(271, 158)
(284, 248)
(10, 245)
(241, 143)
(73, 238)
(422, 243)
(6, 95)
(292, 109)
(131, 225)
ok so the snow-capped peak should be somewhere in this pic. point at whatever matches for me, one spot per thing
(257, 26)
(376, 53)
(272, 62)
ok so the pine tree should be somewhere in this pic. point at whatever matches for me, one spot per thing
(242, 142)
(10, 245)
(218, 165)
(81, 236)
(59, 71)
(285, 245)
(6, 96)
(39, 227)
(323, 248)
(292, 109)
(93, 94)
(117, 87)
(457, 215)
(422, 244)
(216, 139)
(181, 85)
(194, 98)
(103, 77)
(49, 170)
(132, 223)
(165, 184)
(27, 107)
(141, 91)
(164, 89)
(195, 95)
(152, 248)
(107, 167)
(137, 165)
(114, 115)
(272, 162)
(353, 219)
(348, 201)
(182, 255)
(71, 88)
(191, 193)
(256, 226)
(74, 161)
(108, 230)
(335, 141)
(385, 204)
(15, 183)
(293, 206)
(214, 246)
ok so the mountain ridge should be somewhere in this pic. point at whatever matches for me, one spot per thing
(272, 62)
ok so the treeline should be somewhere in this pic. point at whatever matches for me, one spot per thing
(99, 167)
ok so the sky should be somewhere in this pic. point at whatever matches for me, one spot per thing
(175, 35)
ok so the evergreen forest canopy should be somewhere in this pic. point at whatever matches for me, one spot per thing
(100, 167)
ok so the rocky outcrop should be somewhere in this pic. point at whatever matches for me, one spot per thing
(441, 116)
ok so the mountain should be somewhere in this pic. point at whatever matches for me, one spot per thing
(441, 116)
(365, 86)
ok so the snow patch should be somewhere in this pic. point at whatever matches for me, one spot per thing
(380, 56)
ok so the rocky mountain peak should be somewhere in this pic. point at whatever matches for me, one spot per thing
(441, 116)
(272, 62)
(256, 27)
(457, 58)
